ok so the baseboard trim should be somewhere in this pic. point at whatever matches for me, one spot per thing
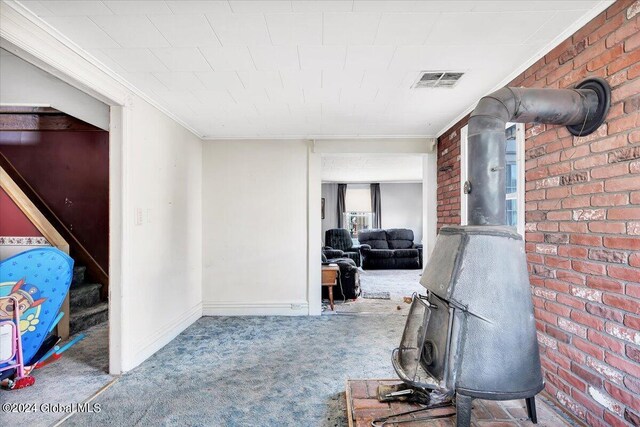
(164, 336)
(284, 308)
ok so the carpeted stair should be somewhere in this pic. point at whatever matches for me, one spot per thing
(84, 299)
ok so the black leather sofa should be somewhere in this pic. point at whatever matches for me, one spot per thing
(340, 239)
(389, 249)
(348, 286)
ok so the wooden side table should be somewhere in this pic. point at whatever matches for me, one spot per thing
(330, 278)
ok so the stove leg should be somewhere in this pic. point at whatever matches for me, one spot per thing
(531, 409)
(463, 410)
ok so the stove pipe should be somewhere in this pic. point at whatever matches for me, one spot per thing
(582, 110)
(474, 333)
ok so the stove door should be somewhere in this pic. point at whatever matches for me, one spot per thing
(435, 347)
(421, 358)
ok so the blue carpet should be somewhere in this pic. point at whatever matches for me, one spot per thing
(252, 371)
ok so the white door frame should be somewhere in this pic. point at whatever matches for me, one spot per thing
(36, 43)
(423, 147)
(464, 173)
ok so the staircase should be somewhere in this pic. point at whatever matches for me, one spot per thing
(84, 299)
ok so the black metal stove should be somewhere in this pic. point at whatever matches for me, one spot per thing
(473, 335)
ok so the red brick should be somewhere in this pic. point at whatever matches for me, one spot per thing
(613, 23)
(605, 312)
(585, 240)
(588, 320)
(631, 243)
(633, 353)
(623, 364)
(610, 200)
(609, 256)
(606, 371)
(572, 379)
(589, 188)
(605, 341)
(604, 284)
(610, 143)
(627, 304)
(605, 58)
(573, 252)
(557, 334)
(624, 61)
(622, 396)
(369, 404)
(623, 273)
(614, 421)
(625, 123)
(607, 227)
(571, 277)
(623, 213)
(610, 170)
(588, 348)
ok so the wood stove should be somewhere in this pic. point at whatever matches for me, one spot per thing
(473, 334)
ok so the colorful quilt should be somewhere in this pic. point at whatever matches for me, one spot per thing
(40, 280)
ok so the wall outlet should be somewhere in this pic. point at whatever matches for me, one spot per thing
(138, 220)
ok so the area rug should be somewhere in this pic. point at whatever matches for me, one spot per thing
(376, 295)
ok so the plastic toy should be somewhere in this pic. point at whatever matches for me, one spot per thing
(33, 286)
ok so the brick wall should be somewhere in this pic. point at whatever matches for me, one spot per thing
(583, 224)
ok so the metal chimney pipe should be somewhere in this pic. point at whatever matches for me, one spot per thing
(582, 109)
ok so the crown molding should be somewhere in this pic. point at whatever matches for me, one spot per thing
(32, 39)
(584, 20)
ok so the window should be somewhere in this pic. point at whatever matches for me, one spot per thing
(514, 179)
(358, 214)
(512, 167)
(356, 221)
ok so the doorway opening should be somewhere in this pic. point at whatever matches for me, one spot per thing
(372, 230)
(55, 193)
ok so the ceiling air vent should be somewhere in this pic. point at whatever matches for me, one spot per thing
(437, 79)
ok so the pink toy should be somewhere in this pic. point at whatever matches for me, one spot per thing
(10, 339)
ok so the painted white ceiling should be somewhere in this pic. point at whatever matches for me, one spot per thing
(311, 68)
(371, 168)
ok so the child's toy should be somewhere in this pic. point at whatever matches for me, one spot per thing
(11, 345)
(33, 286)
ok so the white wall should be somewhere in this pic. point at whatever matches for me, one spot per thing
(402, 207)
(255, 198)
(161, 287)
(21, 83)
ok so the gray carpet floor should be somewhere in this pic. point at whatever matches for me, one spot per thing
(80, 373)
(252, 371)
(263, 371)
(234, 371)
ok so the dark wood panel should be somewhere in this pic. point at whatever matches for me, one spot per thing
(40, 122)
(77, 250)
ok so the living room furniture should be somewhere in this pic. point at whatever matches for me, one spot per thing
(389, 249)
(348, 286)
(340, 239)
(330, 279)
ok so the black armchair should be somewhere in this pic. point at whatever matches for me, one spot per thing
(340, 239)
(349, 280)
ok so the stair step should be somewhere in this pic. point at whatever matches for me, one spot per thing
(78, 275)
(87, 317)
(84, 295)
